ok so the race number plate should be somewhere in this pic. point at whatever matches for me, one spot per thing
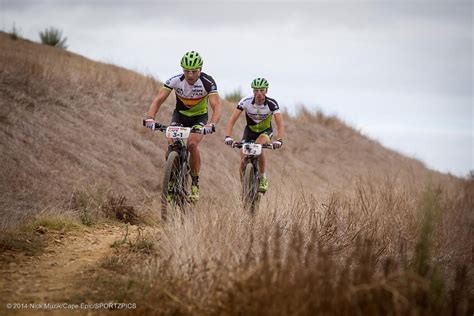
(252, 149)
(178, 132)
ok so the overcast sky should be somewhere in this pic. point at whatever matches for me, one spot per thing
(400, 71)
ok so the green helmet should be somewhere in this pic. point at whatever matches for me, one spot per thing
(259, 83)
(191, 60)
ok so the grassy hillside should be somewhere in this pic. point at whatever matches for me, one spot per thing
(69, 126)
(348, 226)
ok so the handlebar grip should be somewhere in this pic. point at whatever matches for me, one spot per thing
(158, 126)
(197, 130)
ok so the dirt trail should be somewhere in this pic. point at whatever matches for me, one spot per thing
(49, 277)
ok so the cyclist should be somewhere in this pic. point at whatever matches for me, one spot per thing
(259, 110)
(195, 91)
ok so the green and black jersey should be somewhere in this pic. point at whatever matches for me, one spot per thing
(259, 117)
(192, 100)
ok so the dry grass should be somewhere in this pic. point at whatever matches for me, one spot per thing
(69, 124)
(21, 242)
(67, 135)
(26, 62)
(116, 208)
(380, 249)
(31, 238)
(348, 227)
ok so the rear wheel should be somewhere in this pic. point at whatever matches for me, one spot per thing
(250, 188)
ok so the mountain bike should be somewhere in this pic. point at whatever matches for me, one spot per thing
(176, 184)
(251, 173)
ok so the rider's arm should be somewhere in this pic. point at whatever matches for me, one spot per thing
(157, 102)
(215, 103)
(233, 118)
(280, 125)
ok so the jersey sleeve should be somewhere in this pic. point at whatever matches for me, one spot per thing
(273, 105)
(241, 104)
(209, 83)
(170, 84)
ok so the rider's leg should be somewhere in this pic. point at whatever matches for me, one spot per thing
(263, 185)
(262, 139)
(194, 156)
(195, 164)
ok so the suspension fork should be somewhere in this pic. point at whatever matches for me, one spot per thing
(184, 163)
(255, 162)
(256, 168)
(182, 151)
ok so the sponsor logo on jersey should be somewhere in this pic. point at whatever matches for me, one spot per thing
(258, 117)
(196, 93)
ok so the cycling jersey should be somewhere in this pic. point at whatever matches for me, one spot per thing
(259, 117)
(191, 100)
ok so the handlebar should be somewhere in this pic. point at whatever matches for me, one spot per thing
(240, 144)
(162, 128)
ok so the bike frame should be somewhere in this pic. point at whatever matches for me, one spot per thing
(179, 175)
(181, 148)
(251, 198)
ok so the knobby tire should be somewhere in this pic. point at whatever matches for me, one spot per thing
(250, 188)
(171, 173)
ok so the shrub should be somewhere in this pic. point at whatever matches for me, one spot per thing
(234, 96)
(53, 37)
(14, 33)
(116, 208)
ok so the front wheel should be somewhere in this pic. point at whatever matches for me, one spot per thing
(250, 188)
(170, 188)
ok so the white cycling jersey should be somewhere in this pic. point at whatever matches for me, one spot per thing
(259, 117)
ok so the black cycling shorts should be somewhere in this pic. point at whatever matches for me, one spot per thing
(249, 135)
(179, 119)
